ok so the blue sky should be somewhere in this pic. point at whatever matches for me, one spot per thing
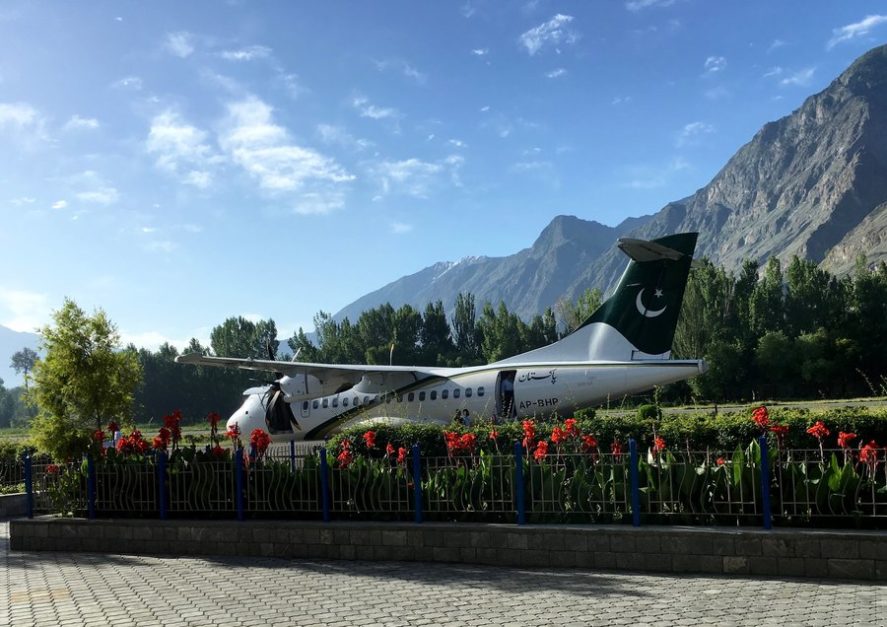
(176, 163)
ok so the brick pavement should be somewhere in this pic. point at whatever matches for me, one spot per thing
(93, 589)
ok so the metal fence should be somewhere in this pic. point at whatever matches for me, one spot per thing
(795, 487)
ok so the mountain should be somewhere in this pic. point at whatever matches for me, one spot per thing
(812, 184)
(528, 281)
(11, 342)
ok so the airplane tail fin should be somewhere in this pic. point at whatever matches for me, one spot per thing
(639, 320)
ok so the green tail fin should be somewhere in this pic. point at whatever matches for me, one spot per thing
(647, 301)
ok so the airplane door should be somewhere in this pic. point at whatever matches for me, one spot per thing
(505, 394)
(306, 409)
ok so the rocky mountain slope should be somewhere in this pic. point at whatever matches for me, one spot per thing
(812, 184)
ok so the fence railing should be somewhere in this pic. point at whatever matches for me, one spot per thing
(792, 487)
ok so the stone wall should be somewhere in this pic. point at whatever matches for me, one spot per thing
(783, 552)
(13, 505)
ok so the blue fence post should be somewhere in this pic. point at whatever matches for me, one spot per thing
(161, 483)
(519, 483)
(417, 483)
(90, 487)
(238, 482)
(293, 455)
(765, 482)
(635, 482)
(29, 484)
(324, 486)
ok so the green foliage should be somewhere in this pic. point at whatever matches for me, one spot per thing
(649, 412)
(83, 382)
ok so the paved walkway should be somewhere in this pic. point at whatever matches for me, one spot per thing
(89, 589)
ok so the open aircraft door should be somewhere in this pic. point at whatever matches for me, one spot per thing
(505, 408)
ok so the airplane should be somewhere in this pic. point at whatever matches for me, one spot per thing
(624, 347)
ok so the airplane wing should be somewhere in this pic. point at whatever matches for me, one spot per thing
(344, 375)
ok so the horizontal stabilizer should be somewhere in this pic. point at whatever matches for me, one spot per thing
(642, 250)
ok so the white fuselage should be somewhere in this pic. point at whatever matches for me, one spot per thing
(539, 390)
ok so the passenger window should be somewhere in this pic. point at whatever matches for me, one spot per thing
(480, 391)
(467, 392)
(411, 397)
(434, 395)
(356, 401)
(336, 402)
(345, 402)
(315, 404)
(305, 405)
(366, 400)
(421, 396)
(445, 394)
(326, 403)
(457, 393)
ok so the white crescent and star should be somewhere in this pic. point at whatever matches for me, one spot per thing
(648, 313)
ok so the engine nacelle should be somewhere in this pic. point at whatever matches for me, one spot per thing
(305, 386)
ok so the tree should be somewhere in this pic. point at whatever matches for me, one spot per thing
(23, 362)
(466, 335)
(239, 337)
(572, 315)
(82, 382)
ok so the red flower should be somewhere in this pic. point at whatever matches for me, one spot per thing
(345, 444)
(541, 451)
(113, 427)
(370, 439)
(159, 444)
(52, 469)
(401, 455)
(134, 443)
(345, 458)
(761, 417)
(571, 428)
(658, 444)
(616, 449)
(98, 436)
(720, 461)
(818, 430)
(467, 442)
(493, 434)
(233, 432)
(869, 453)
(261, 440)
(218, 452)
(213, 418)
(780, 431)
(389, 449)
(529, 433)
(589, 443)
(844, 439)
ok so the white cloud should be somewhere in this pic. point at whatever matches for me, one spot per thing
(857, 29)
(619, 100)
(637, 5)
(253, 141)
(717, 93)
(149, 229)
(368, 110)
(458, 143)
(467, 10)
(715, 64)
(100, 196)
(801, 78)
(651, 177)
(773, 71)
(399, 228)
(337, 135)
(553, 32)
(59, 204)
(160, 246)
(129, 82)
(180, 44)
(404, 68)
(480, 52)
(23, 310)
(775, 44)
(23, 200)
(18, 115)
(319, 203)
(249, 53)
(691, 133)
(485, 108)
(413, 177)
(78, 123)
(556, 73)
(181, 149)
